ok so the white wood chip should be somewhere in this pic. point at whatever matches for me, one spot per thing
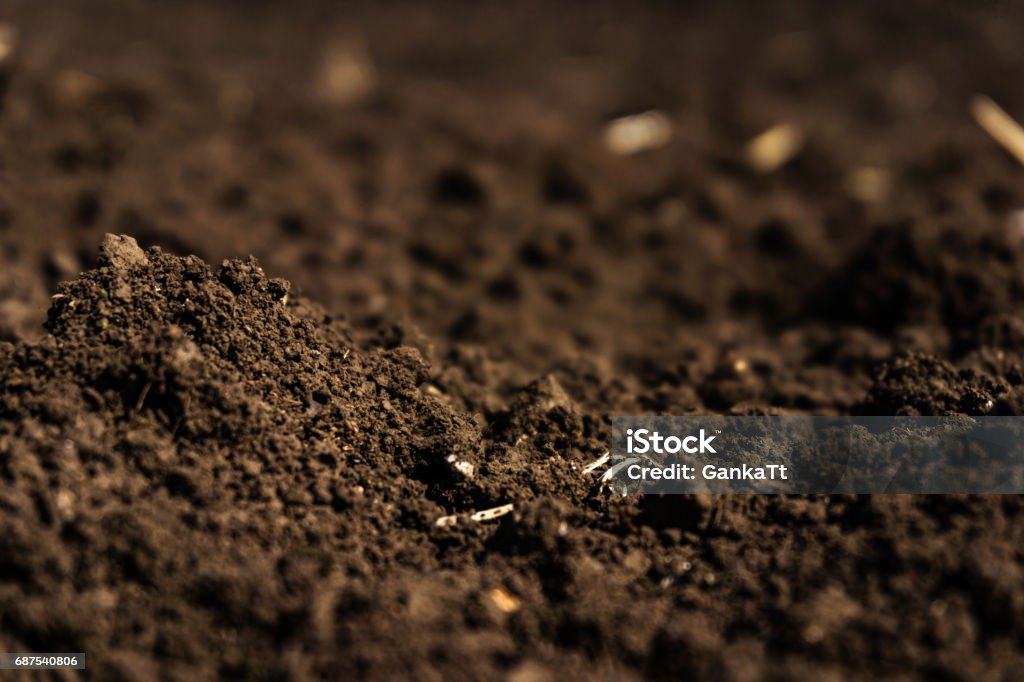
(493, 513)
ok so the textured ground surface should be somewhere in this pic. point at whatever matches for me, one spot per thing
(208, 472)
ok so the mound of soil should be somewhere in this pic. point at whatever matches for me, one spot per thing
(193, 453)
(207, 478)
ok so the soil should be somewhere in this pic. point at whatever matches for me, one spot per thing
(237, 471)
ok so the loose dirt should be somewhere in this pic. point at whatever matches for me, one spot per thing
(209, 472)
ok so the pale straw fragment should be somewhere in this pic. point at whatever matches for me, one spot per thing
(775, 147)
(483, 515)
(999, 124)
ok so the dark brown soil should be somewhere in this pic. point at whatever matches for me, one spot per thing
(210, 473)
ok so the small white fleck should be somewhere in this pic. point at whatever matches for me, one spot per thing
(463, 467)
(637, 133)
(65, 502)
(446, 521)
(596, 463)
(774, 147)
(492, 513)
